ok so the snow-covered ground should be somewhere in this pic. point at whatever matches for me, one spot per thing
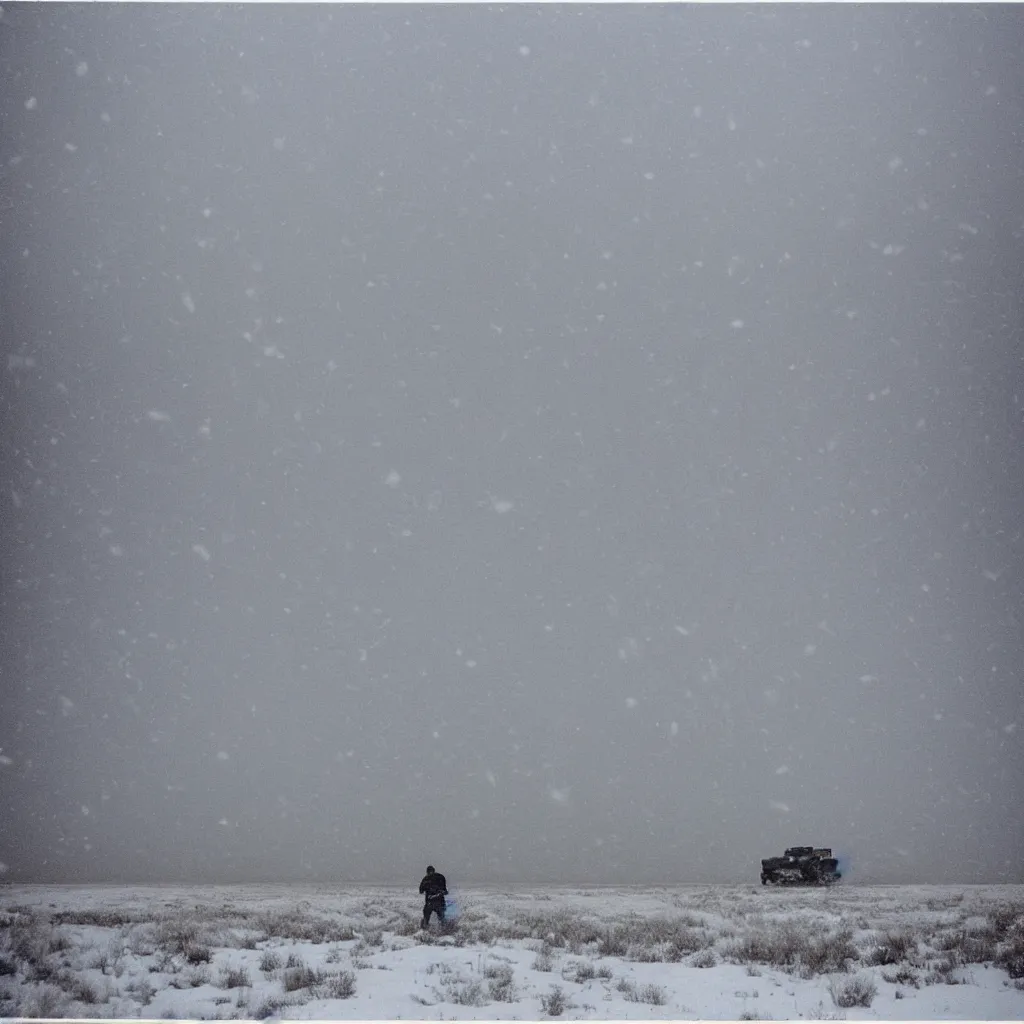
(721, 952)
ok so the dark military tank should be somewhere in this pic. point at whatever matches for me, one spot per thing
(801, 865)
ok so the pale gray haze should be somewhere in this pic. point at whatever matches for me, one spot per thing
(571, 444)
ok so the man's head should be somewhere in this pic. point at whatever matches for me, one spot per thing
(430, 869)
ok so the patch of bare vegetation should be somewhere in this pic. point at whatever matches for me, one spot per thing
(270, 961)
(406, 926)
(32, 940)
(893, 947)
(186, 936)
(272, 1006)
(655, 939)
(562, 930)
(369, 943)
(234, 977)
(298, 976)
(1007, 930)
(299, 927)
(849, 992)
(797, 946)
(47, 1001)
(142, 990)
(1006, 918)
(829, 953)
(705, 958)
(903, 975)
(555, 1002)
(945, 901)
(582, 971)
(466, 993)
(80, 988)
(194, 977)
(339, 986)
(544, 961)
(652, 995)
(104, 918)
(973, 946)
(1011, 957)
(501, 983)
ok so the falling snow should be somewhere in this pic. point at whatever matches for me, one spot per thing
(418, 446)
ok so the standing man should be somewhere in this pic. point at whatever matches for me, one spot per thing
(434, 889)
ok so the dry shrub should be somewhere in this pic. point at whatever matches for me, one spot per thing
(295, 978)
(544, 961)
(234, 977)
(339, 986)
(614, 942)
(177, 934)
(142, 990)
(777, 946)
(652, 995)
(850, 992)
(789, 945)
(197, 977)
(500, 984)
(705, 958)
(828, 954)
(269, 1007)
(1006, 918)
(48, 1002)
(903, 975)
(407, 926)
(33, 940)
(944, 972)
(1010, 956)
(300, 928)
(269, 961)
(84, 991)
(466, 993)
(100, 918)
(654, 939)
(975, 946)
(195, 954)
(555, 1003)
(892, 948)
(579, 971)
(141, 940)
(563, 930)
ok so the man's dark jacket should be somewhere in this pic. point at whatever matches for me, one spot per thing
(434, 887)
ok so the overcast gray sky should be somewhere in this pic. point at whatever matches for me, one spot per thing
(575, 444)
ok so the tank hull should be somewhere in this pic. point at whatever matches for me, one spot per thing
(801, 865)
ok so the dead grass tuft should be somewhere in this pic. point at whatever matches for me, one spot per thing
(892, 948)
(849, 992)
(299, 977)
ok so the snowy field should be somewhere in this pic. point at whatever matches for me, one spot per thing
(721, 952)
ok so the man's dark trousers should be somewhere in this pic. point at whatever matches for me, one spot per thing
(435, 905)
